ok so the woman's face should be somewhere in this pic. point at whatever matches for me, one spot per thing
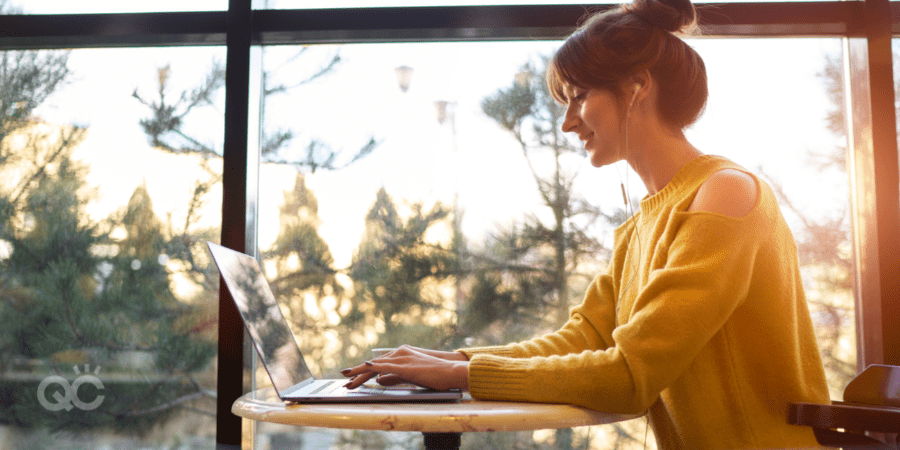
(593, 114)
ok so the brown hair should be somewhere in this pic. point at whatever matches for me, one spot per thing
(611, 46)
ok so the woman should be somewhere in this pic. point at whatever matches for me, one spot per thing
(700, 319)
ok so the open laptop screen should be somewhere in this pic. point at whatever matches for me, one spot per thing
(254, 299)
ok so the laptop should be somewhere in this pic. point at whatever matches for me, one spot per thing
(280, 353)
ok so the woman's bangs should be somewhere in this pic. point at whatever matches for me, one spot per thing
(561, 72)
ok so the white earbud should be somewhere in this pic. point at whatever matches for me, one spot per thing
(637, 88)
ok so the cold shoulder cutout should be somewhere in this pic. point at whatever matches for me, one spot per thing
(729, 192)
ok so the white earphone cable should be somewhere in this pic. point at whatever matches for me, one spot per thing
(629, 204)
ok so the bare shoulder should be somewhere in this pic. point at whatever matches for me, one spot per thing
(728, 192)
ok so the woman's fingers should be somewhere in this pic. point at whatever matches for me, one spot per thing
(391, 380)
(362, 373)
(409, 365)
(359, 375)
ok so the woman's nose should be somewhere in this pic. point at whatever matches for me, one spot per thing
(570, 120)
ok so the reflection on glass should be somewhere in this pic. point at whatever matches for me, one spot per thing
(109, 186)
(443, 208)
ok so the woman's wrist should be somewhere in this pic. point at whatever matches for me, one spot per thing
(460, 374)
(459, 356)
(447, 356)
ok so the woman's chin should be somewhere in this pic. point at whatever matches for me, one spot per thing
(599, 160)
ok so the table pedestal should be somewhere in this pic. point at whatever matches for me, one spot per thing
(442, 441)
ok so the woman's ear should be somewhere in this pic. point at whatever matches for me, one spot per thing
(641, 83)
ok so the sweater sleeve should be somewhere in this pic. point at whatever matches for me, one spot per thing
(685, 301)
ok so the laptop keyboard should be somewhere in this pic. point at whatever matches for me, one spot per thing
(367, 389)
(322, 387)
(372, 389)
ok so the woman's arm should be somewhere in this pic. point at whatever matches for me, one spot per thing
(589, 328)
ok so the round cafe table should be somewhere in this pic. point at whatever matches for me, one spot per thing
(442, 424)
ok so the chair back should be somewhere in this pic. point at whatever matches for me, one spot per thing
(877, 385)
(867, 418)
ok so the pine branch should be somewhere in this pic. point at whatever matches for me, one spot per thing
(81, 338)
(67, 141)
(70, 313)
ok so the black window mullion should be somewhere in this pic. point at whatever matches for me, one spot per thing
(234, 215)
(111, 30)
(460, 23)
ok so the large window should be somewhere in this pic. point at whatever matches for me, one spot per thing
(374, 140)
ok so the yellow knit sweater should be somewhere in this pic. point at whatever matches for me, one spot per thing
(700, 320)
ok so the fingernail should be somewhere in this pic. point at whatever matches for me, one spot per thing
(345, 372)
(369, 363)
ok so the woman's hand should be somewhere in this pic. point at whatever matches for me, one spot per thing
(429, 368)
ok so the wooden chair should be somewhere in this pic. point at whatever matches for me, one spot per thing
(867, 418)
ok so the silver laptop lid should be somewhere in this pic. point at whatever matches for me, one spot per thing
(269, 330)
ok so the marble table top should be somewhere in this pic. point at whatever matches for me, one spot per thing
(467, 415)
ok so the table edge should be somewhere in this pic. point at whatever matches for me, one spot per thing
(453, 417)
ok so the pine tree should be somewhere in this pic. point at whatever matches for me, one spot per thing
(139, 287)
(303, 269)
(398, 271)
(85, 310)
(299, 245)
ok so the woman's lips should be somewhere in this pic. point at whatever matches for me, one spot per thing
(586, 137)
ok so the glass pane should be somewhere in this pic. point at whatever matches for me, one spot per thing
(110, 188)
(398, 207)
(110, 6)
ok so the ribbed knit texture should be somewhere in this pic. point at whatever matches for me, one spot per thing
(714, 338)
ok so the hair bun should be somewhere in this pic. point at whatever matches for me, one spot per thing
(675, 16)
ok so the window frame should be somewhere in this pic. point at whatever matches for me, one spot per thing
(866, 27)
